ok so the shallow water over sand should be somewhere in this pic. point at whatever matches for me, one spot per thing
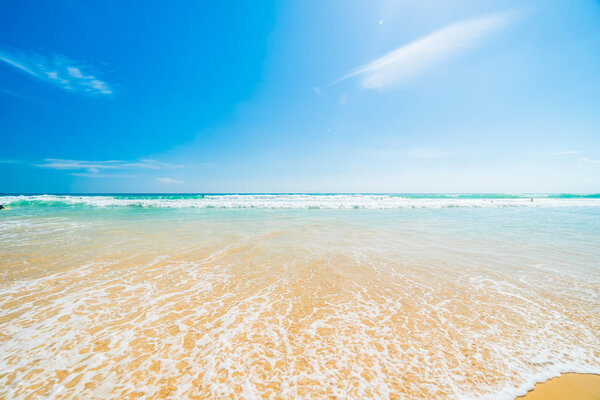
(450, 303)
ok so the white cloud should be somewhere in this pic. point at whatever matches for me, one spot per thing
(566, 153)
(405, 62)
(76, 73)
(93, 167)
(99, 86)
(586, 161)
(168, 180)
(57, 70)
(343, 99)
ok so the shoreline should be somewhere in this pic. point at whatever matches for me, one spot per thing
(443, 304)
(567, 386)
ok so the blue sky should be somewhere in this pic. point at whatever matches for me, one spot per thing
(300, 96)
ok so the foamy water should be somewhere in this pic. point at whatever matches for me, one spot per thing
(307, 201)
(273, 297)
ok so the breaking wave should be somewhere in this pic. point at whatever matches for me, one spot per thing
(307, 201)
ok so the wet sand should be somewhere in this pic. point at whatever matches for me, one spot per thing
(258, 304)
(567, 387)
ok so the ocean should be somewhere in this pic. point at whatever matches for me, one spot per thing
(296, 296)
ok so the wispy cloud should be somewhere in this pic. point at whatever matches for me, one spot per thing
(169, 181)
(583, 161)
(565, 153)
(93, 167)
(92, 175)
(405, 62)
(58, 70)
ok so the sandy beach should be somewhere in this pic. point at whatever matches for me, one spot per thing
(286, 300)
(568, 386)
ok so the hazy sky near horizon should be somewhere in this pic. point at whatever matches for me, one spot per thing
(300, 96)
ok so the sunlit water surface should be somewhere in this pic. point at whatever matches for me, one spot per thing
(295, 298)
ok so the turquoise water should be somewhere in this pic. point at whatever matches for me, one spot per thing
(566, 227)
(306, 201)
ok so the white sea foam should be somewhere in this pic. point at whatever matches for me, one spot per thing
(361, 341)
(301, 201)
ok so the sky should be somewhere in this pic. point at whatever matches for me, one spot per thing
(299, 96)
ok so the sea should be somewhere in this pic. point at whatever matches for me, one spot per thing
(296, 296)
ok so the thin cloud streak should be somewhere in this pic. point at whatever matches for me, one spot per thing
(96, 166)
(57, 70)
(92, 175)
(410, 60)
(169, 181)
(17, 65)
(583, 161)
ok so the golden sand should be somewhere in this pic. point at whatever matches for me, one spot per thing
(567, 387)
(302, 313)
